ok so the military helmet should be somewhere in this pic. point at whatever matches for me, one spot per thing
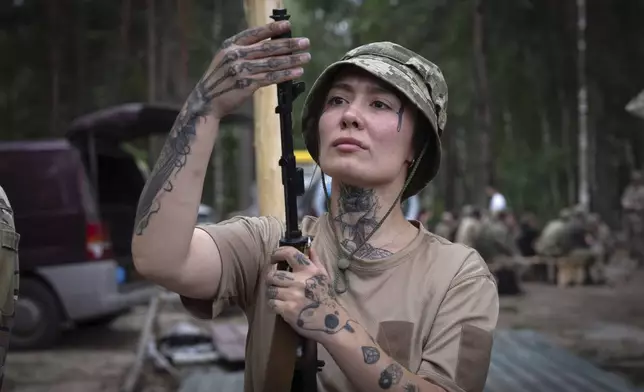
(418, 79)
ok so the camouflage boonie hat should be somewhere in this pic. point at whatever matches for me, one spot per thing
(420, 80)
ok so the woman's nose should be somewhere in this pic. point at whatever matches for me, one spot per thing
(352, 119)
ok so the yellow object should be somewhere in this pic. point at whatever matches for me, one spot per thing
(303, 156)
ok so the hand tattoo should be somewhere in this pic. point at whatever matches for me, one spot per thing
(322, 314)
(390, 376)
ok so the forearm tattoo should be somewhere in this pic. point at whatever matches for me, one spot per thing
(391, 375)
(216, 82)
(174, 154)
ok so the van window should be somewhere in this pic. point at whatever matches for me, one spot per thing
(35, 185)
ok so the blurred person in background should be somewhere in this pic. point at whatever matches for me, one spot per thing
(497, 200)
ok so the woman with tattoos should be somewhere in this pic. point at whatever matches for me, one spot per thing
(391, 305)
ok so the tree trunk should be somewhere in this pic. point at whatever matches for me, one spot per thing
(451, 166)
(164, 80)
(582, 107)
(155, 143)
(126, 21)
(81, 59)
(483, 112)
(546, 139)
(152, 60)
(55, 66)
(567, 147)
(183, 8)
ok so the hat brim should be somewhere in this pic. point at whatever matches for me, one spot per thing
(396, 76)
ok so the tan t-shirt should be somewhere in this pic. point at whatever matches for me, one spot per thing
(431, 306)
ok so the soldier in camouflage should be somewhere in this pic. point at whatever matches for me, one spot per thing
(550, 241)
(446, 226)
(633, 210)
(602, 245)
(469, 227)
(9, 240)
(496, 243)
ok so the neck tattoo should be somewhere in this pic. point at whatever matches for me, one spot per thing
(357, 219)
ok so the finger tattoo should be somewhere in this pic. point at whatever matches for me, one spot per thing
(281, 275)
(302, 260)
(271, 292)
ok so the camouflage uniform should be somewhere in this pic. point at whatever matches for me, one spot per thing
(601, 245)
(633, 206)
(495, 243)
(469, 227)
(577, 255)
(446, 226)
(550, 240)
(9, 240)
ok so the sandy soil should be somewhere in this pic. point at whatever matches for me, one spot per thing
(602, 324)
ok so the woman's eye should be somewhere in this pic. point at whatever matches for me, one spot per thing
(335, 101)
(381, 105)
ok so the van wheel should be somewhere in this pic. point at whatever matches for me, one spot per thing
(38, 321)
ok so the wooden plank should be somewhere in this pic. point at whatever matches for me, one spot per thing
(522, 360)
(526, 361)
(213, 379)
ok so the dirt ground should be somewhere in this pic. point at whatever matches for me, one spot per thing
(602, 324)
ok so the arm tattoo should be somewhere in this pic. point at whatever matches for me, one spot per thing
(175, 152)
(371, 354)
(322, 313)
(357, 218)
(173, 156)
(390, 376)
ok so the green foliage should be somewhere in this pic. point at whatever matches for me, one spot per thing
(530, 50)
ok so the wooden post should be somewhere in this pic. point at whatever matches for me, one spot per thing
(268, 147)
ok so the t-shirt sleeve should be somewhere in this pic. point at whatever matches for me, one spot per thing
(457, 353)
(245, 245)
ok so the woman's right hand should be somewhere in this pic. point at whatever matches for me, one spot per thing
(247, 61)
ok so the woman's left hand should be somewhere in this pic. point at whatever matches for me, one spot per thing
(305, 297)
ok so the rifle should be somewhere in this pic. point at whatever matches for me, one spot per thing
(284, 361)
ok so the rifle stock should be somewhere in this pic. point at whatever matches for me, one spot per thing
(286, 370)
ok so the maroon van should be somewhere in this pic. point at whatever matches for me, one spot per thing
(74, 201)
